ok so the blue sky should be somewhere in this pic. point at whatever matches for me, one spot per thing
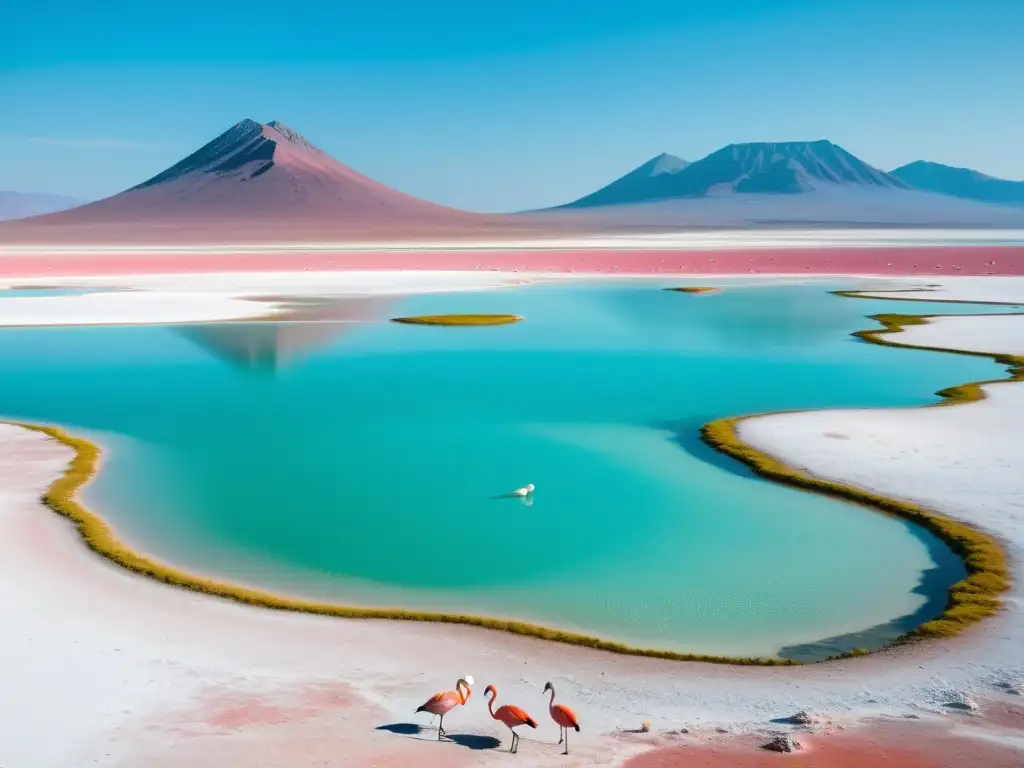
(502, 106)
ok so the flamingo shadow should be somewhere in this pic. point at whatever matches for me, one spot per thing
(402, 729)
(413, 731)
(468, 740)
(474, 741)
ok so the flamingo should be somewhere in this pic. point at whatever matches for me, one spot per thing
(563, 716)
(443, 702)
(510, 715)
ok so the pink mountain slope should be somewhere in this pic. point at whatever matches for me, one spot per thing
(253, 183)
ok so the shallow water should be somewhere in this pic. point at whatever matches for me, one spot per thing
(364, 462)
(31, 293)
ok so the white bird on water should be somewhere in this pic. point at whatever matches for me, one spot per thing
(526, 490)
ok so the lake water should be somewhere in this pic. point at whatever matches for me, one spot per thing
(360, 462)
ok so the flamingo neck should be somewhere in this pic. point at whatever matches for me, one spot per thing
(458, 689)
(551, 701)
(490, 703)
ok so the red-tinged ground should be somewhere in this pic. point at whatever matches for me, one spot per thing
(901, 744)
(945, 260)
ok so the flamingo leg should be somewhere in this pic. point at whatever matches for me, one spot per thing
(566, 742)
(561, 733)
(440, 729)
(515, 743)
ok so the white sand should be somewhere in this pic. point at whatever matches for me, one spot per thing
(104, 668)
(185, 298)
(1004, 289)
(292, 284)
(118, 308)
(981, 333)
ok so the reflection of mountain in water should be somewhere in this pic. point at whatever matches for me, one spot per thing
(269, 346)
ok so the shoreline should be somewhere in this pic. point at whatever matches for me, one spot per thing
(253, 296)
(98, 536)
(970, 600)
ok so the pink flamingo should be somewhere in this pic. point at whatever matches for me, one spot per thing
(443, 702)
(563, 716)
(510, 715)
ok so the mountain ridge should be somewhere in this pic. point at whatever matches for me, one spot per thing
(964, 183)
(640, 180)
(789, 167)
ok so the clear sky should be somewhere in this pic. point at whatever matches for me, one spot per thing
(497, 105)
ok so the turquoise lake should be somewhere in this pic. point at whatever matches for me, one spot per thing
(364, 463)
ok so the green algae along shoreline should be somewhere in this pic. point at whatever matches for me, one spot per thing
(99, 536)
(970, 600)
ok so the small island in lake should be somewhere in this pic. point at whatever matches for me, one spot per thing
(458, 319)
(695, 289)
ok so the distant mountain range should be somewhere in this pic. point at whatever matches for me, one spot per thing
(789, 167)
(265, 183)
(792, 167)
(21, 205)
(960, 182)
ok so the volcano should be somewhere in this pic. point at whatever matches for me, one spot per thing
(254, 183)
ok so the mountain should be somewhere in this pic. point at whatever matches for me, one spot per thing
(257, 169)
(642, 183)
(266, 169)
(960, 182)
(255, 182)
(788, 184)
(21, 205)
(759, 168)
